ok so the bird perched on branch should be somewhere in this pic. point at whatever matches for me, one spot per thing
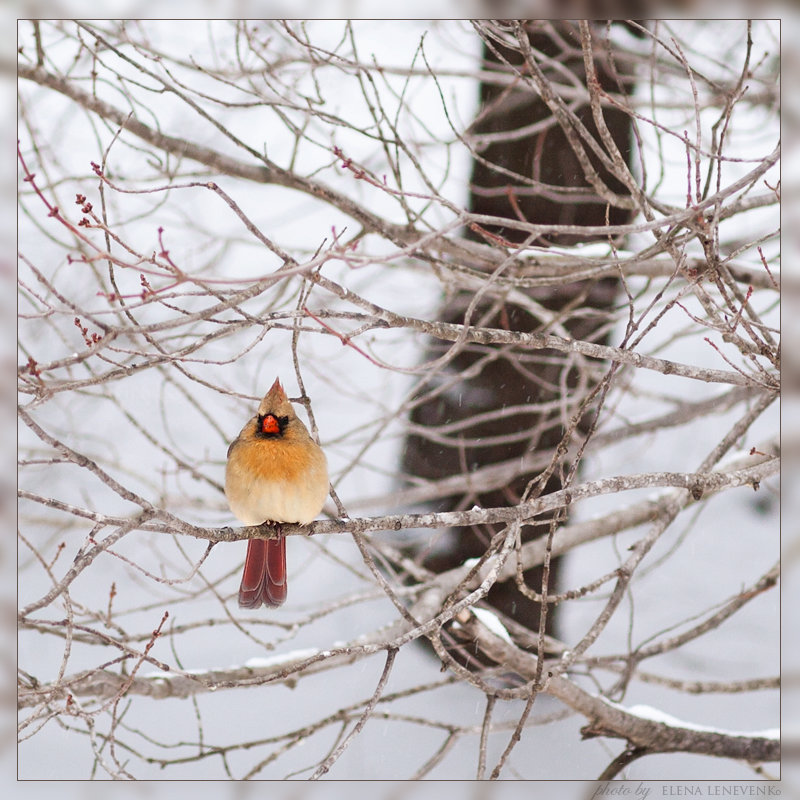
(275, 473)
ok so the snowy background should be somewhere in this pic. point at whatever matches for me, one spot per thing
(706, 558)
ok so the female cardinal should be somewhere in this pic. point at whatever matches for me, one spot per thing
(275, 473)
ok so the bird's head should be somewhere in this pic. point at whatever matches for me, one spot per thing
(275, 411)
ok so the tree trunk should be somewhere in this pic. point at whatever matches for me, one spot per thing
(513, 177)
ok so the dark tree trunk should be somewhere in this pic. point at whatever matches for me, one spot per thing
(526, 176)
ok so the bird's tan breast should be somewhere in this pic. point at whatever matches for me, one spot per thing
(279, 480)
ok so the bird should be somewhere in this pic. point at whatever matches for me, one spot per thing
(275, 473)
